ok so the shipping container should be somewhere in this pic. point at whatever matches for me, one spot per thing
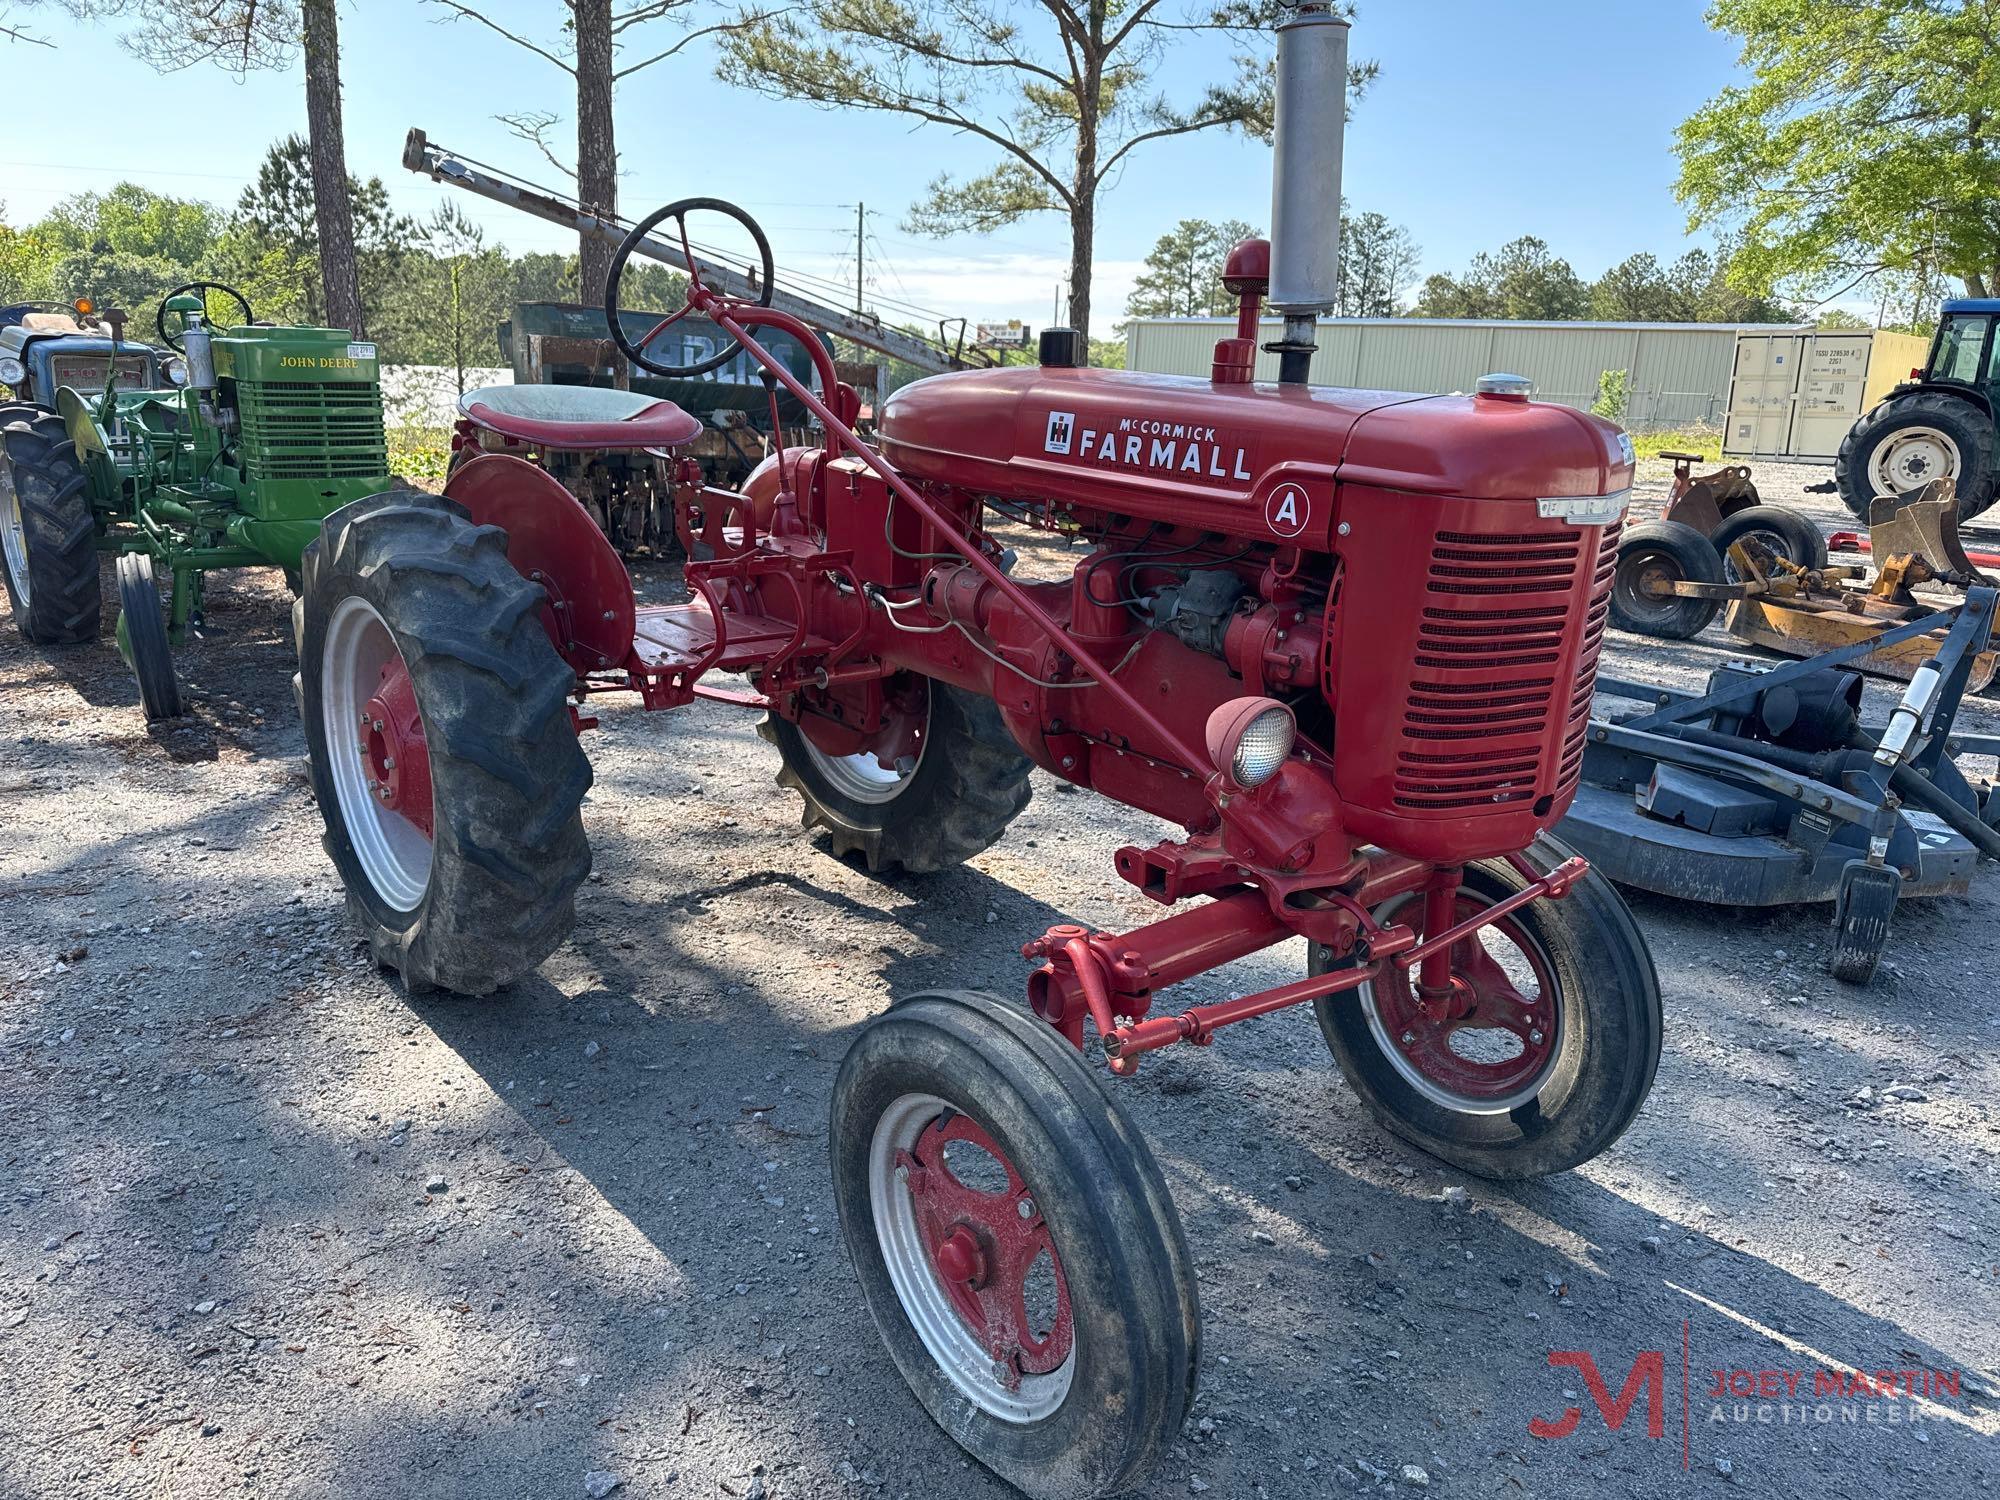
(1794, 395)
(1678, 374)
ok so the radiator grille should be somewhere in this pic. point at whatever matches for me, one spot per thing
(1493, 701)
(303, 429)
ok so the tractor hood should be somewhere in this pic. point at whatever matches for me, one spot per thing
(1222, 457)
(14, 338)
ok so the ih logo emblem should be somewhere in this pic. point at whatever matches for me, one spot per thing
(1062, 425)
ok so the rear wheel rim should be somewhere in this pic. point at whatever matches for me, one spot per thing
(13, 534)
(1912, 457)
(1451, 1052)
(965, 1263)
(394, 853)
(862, 777)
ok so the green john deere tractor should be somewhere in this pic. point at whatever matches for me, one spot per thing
(258, 435)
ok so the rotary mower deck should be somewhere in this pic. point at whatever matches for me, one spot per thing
(1345, 640)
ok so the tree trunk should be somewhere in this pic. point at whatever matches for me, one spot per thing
(333, 211)
(596, 154)
(596, 142)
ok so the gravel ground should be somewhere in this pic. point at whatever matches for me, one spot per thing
(272, 1228)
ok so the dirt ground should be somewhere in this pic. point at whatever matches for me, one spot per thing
(272, 1228)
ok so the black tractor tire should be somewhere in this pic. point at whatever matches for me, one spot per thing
(1089, 1176)
(1785, 532)
(1678, 552)
(145, 638)
(970, 782)
(1606, 1053)
(508, 776)
(1969, 428)
(63, 605)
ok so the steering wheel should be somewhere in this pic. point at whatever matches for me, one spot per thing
(678, 212)
(172, 341)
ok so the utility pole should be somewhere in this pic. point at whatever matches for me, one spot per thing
(860, 232)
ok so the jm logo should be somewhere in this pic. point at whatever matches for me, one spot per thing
(1062, 424)
(1648, 1374)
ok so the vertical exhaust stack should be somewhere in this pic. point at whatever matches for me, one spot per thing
(1308, 131)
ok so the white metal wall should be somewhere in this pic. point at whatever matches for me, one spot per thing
(1679, 371)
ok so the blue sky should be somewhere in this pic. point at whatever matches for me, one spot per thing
(1547, 117)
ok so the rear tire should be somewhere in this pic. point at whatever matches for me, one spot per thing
(969, 782)
(1785, 532)
(1086, 1403)
(1667, 551)
(48, 536)
(1909, 440)
(496, 894)
(1599, 1062)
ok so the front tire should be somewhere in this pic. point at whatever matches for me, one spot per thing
(432, 696)
(966, 782)
(142, 638)
(1559, 1047)
(48, 536)
(1910, 440)
(1015, 1245)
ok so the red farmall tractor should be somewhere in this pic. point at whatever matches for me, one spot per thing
(1345, 639)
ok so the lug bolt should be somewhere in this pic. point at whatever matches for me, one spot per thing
(1409, 1037)
(1025, 1208)
(388, 762)
(1535, 1036)
(376, 725)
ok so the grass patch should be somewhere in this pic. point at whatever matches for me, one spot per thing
(420, 454)
(1700, 440)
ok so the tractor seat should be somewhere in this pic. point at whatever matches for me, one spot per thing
(576, 417)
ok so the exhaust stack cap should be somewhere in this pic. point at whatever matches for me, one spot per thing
(1308, 131)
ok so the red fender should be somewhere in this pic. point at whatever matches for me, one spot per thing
(552, 541)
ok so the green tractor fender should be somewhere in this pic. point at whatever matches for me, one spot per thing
(93, 444)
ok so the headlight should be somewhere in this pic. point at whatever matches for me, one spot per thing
(12, 371)
(1250, 739)
(175, 370)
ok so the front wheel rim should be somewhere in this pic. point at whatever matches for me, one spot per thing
(955, 1252)
(1417, 1036)
(13, 534)
(1911, 458)
(360, 655)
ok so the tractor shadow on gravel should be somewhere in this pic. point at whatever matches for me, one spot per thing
(1346, 1297)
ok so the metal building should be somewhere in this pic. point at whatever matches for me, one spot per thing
(1678, 372)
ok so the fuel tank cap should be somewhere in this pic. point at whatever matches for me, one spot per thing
(1506, 387)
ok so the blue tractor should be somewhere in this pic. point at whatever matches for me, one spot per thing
(45, 346)
(1938, 424)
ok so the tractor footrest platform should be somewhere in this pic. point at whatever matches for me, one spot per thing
(675, 636)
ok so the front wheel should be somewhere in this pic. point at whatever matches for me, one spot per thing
(142, 638)
(1015, 1244)
(443, 757)
(1544, 1051)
